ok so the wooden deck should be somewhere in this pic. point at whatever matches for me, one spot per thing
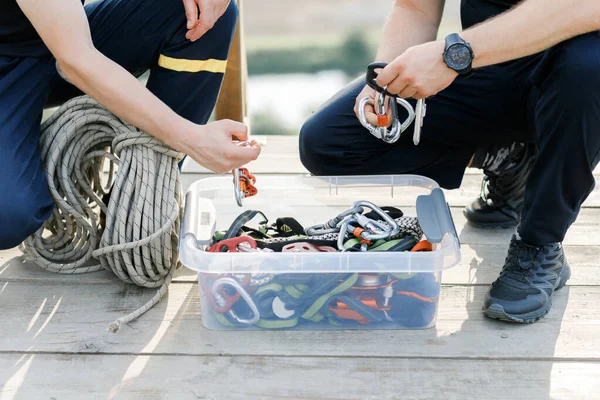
(54, 342)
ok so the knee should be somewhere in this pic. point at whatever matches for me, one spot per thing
(311, 145)
(230, 16)
(577, 66)
(225, 26)
(21, 217)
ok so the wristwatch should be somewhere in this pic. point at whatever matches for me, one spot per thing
(458, 55)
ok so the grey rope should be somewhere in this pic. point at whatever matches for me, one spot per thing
(130, 223)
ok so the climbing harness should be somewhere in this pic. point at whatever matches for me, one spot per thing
(389, 128)
(286, 300)
(243, 181)
(125, 216)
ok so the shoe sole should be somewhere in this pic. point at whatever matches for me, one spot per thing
(496, 311)
(492, 225)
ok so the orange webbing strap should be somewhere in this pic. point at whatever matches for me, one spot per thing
(423, 245)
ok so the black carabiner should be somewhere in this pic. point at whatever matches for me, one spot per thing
(372, 76)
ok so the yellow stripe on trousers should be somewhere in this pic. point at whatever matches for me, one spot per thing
(183, 65)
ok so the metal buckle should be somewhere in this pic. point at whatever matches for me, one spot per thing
(241, 292)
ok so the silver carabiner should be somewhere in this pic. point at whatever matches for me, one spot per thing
(343, 229)
(221, 302)
(393, 134)
(331, 226)
(374, 230)
(395, 229)
(420, 111)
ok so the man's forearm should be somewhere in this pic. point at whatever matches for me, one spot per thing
(410, 22)
(124, 95)
(531, 27)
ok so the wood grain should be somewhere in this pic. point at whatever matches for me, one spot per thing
(238, 377)
(66, 318)
(231, 103)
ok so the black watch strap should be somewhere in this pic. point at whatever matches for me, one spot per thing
(453, 38)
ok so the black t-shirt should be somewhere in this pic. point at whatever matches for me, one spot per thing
(18, 38)
(476, 11)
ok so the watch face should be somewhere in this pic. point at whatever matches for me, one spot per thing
(458, 57)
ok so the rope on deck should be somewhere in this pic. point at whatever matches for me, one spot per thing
(130, 224)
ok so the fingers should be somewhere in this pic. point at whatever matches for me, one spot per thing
(366, 92)
(237, 129)
(408, 92)
(206, 21)
(191, 13)
(370, 114)
(387, 75)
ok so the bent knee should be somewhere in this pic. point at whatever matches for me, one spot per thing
(311, 146)
(577, 65)
(21, 217)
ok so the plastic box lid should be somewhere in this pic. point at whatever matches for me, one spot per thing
(210, 206)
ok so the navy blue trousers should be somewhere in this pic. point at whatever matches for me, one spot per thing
(551, 99)
(134, 33)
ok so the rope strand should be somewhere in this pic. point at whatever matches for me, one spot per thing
(134, 234)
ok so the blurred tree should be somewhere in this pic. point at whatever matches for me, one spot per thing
(351, 56)
(265, 124)
(355, 54)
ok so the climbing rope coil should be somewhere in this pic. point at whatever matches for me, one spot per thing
(126, 218)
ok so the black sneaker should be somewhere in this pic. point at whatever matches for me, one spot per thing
(523, 291)
(506, 171)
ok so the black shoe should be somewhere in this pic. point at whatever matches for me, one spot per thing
(501, 201)
(531, 274)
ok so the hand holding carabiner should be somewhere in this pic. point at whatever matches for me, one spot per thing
(385, 106)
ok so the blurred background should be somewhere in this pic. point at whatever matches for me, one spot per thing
(300, 53)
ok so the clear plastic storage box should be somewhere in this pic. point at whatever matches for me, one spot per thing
(317, 290)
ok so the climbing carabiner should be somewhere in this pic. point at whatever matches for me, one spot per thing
(384, 131)
(219, 283)
(220, 301)
(331, 226)
(394, 228)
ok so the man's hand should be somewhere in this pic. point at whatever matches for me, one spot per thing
(418, 73)
(212, 146)
(368, 91)
(210, 12)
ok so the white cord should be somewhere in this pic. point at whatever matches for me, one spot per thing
(135, 235)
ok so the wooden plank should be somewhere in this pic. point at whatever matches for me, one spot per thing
(64, 318)
(280, 154)
(465, 195)
(479, 265)
(232, 98)
(157, 377)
